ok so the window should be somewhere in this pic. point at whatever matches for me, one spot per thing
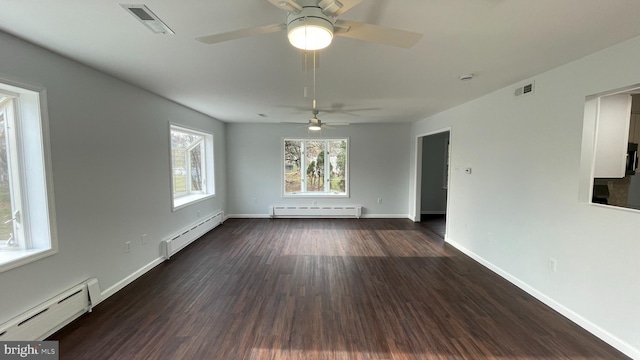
(26, 205)
(315, 167)
(191, 166)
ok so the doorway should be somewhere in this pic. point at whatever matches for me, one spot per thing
(434, 180)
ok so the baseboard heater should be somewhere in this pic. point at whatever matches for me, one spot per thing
(316, 211)
(185, 237)
(50, 316)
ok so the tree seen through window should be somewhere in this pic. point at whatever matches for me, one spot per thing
(315, 166)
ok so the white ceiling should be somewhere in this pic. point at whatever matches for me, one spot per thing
(500, 41)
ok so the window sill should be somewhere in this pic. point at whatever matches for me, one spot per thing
(316, 195)
(187, 200)
(10, 258)
(629, 209)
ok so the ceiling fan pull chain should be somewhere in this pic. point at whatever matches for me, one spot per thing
(314, 80)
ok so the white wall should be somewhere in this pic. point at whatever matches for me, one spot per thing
(634, 192)
(111, 174)
(520, 206)
(434, 194)
(378, 168)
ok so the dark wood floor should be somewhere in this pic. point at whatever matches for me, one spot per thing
(324, 289)
(436, 223)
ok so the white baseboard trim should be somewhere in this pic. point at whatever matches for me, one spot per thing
(566, 312)
(364, 216)
(129, 279)
(249, 216)
(384, 216)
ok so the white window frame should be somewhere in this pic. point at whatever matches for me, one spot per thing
(189, 197)
(327, 174)
(32, 193)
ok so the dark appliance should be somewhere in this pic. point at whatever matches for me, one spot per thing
(632, 159)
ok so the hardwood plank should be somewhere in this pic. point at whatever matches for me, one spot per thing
(324, 289)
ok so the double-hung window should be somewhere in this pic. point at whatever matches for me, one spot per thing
(191, 165)
(26, 202)
(316, 167)
(11, 229)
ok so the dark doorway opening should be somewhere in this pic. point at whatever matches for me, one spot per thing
(434, 182)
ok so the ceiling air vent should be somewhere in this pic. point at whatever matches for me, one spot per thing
(525, 90)
(143, 14)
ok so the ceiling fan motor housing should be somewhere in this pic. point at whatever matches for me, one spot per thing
(310, 22)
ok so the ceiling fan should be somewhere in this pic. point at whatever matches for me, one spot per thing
(311, 25)
(316, 124)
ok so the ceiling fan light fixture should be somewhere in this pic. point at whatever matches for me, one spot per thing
(310, 33)
(314, 123)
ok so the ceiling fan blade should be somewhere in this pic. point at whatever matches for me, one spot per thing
(286, 5)
(242, 33)
(298, 109)
(305, 125)
(339, 108)
(337, 123)
(377, 34)
(336, 7)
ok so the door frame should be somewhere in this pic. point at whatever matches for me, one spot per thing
(418, 173)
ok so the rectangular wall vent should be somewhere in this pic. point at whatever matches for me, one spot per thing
(143, 14)
(525, 90)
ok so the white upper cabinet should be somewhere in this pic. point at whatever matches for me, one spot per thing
(612, 135)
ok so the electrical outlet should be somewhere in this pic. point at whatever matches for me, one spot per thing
(127, 247)
(552, 264)
(379, 200)
(143, 239)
